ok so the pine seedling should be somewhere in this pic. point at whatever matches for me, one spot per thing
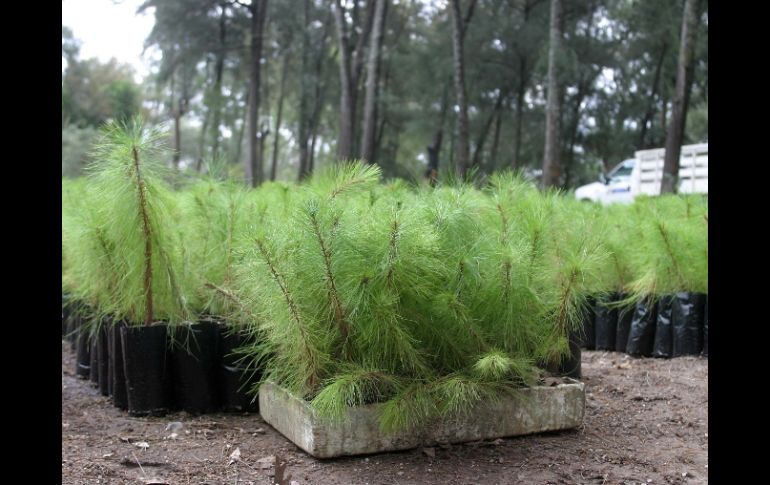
(214, 223)
(572, 271)
(411, 407)
(496, 365)
(294, 346)
(673, 253)
(127, 177)
(353, 386)
(91, 254)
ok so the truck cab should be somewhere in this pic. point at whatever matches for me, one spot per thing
(615, 187)
(642, 175)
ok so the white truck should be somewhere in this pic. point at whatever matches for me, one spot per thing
(642, 175)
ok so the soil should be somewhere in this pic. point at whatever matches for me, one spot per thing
(646, 422)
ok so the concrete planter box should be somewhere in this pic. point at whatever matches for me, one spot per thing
(539, 409)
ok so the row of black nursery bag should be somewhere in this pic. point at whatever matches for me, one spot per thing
(147, 371)
(670, 326)
(152, 370)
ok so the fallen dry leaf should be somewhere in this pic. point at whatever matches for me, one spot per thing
(266, 462)
(235, 456)
(156, 481)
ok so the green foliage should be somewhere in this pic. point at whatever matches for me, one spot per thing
(138, 211)
(424, 301)
(75, 146)
(353, 387)
(428, 300)
(698, 123)
(496, 365)
(215, 218)
(94, 93)
(608, 73)
(673, 245)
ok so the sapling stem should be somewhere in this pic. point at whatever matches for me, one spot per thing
(146, 230)
(313, 379)
(334, 296)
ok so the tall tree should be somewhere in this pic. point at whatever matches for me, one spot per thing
(482, 135)
(649, 112)
(351, 56)
(528, 36)
(312, 86)
(552, 155)
(459, 25)
(435, 147)
(303, 130)
(179, 103)
(681, 99)
(254, 169)
(372, 79)
(279, 116)
(216, 95)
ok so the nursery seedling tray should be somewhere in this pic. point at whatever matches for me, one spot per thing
(533, 410)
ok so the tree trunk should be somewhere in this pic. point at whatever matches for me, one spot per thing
(216, 102)
(264, 129)
(258, 9)
(381, 115)
(476, 160)
(520, 93)
(495, 142)
(263, 134)
(303, 116)
(681, 98)
(202, 142)
(315, 119)
(661, 141)
(372, 78)
(357, 68)
(552, 156)
(279, 115)
(463, 150)
(434, 149)
(518, 116)
(584, 85)
(176, 105)
(244, 123)
(349, 76)
(177, 139)
(311, 161)
(309, 116)
(204, 128)
(383, 122)
(347, 103)
(647, 119)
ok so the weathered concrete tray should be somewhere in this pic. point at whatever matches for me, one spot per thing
(538, 409)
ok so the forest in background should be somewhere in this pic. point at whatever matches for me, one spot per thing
(273, 89)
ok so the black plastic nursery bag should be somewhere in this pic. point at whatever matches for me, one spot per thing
(687, 323)
(664, 333)
(606, 327)
(641, 336)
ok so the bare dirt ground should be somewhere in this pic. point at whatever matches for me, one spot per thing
(646, 422)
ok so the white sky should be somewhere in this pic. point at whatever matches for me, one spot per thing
(110, 28)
